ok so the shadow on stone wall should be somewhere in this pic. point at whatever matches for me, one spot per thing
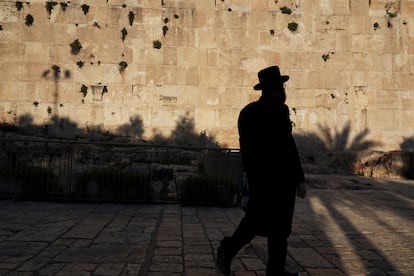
(325, 152)
(333, 151)
(329, 152)
(184, 133)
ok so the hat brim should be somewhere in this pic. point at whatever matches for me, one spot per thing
(283, 79)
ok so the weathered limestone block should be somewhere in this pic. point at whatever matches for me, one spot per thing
(259, 21)
(9, 13)
(387, 100)
(9, 89)
(384, 120)
(227, 117)
(359, 7)
(403, 80)
(168, 116)
(260, 5)
(205, 118)
(192, 76)
(407, 120)
(208, 4)
(407, 100)
(12, 52)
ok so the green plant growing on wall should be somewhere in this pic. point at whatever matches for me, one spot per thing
(124, 33)
(122, 66)
(333, 96)
(293, 26)
(80, 63)
(176, 16)
(75, 47)
(157, 44)
(36, 103)
(392, 14)
(389, 16)
(49, 7)
(84, 90)
(325, 57)
(19, 5)
(39, 181)
(131, 17)
(294, 111)
(28, 21)
(63, 6)
(166, 20)
(1, 28)
(56, 72)
(376, 26)
(85, 9)
(164, 29)
(272, 31)
(96, 24)
(286, 10)
(49, 110)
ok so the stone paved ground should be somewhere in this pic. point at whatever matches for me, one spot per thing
(365, 229)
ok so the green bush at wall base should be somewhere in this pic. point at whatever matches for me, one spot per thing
(31, 181)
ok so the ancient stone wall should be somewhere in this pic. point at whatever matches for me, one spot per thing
(182, 69)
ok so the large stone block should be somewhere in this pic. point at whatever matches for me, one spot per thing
(384, 120)
(259, 21)
(259, 6)
(12, 52)
(359, 7)
(192, 77)
(407, 100)
(10, 89)
(227, 117)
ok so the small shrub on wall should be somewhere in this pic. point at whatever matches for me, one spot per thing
(28, 21)
(75, 47)
(157, 44)
(293, 26)
(19, 5)
(49, 7)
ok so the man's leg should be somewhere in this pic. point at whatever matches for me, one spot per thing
(277, 250)
(229, 246)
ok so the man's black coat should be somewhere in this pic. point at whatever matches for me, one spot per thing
(271, 162)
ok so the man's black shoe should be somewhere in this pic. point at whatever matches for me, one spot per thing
(223, 261)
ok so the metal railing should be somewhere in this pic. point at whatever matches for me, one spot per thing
(38, 169)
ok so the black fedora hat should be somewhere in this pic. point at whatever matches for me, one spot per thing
(270, 77)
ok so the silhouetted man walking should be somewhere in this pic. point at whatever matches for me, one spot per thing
(274, 172)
